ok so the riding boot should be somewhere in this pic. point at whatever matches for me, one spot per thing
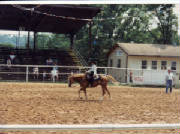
(92, 81)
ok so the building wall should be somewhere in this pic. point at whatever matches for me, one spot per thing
(115, 58)
(155, 77)
(135, 62)
(119, 74)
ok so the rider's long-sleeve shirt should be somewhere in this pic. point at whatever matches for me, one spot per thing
(94, 69)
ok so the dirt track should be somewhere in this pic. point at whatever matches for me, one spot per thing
(33, 103)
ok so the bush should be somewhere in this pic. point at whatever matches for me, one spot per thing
(7, 45)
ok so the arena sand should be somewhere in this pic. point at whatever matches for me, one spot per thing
(41, 103)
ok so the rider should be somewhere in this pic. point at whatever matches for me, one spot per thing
(92, 72)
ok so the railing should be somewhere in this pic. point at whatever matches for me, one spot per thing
(82, 60)
(59, 127)
(123, 75)
(44, 74)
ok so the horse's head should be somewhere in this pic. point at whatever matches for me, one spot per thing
(75, 78)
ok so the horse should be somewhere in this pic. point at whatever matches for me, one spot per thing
(82, 80)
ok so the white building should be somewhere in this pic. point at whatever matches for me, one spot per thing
(146, 63)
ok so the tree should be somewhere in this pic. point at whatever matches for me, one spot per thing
(166, 30)
(128, 23)
(52, 41)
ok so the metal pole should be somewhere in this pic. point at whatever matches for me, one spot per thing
(60, 127)
(90, 39)
(53, 79)
(106, 71)
(28, 41)
(27, 71)
(19, 36)
(72, 41)
(35, 35)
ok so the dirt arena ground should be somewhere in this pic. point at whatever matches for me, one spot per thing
(40, 103)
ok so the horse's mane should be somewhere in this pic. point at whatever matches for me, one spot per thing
(82, 76)
(77, 75)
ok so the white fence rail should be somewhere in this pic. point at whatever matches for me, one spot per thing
(59, 127)
(123, 75)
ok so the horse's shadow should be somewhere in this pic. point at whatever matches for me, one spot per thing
(90, 100)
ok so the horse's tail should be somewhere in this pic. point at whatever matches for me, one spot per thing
(112, 79)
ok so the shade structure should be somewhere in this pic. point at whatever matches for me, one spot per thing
(62, 19)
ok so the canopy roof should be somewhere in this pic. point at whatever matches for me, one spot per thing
(46, 18)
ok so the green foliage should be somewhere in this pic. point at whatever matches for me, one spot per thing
(7, 39)
(52, 41)
(167, 23)
(6, 45)
(156, 24)
(153, 24)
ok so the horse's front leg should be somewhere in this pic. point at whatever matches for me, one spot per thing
(85, 93)
(80, 92)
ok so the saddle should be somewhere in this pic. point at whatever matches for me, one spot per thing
(91, 78)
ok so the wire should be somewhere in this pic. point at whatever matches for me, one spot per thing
(72, 18)
(47, 14)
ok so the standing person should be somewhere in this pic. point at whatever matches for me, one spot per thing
(49, 61)
(92, 72)
(131, 77)
(169, 80)
(36, 72)
(9, 63)
(44, 75)
(55, 66)
(12, 57)
(54, 75)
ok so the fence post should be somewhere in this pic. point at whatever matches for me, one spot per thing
(27, 71)
(53, 79)
(106, 71)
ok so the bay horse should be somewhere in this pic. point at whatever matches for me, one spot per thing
(82, 80)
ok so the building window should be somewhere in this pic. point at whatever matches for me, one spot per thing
(119, 63)
(163, 65)
(154, 64)
(119, 53)
(111, 62)
(144, 64)
(173, 65)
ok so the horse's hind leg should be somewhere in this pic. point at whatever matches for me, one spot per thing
(108, 92)
(103, 92)
(104, 89)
